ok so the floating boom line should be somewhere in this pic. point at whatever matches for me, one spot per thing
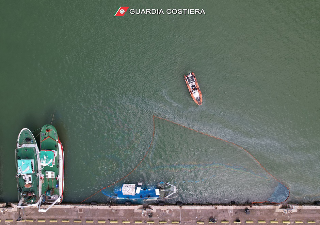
(212, 136)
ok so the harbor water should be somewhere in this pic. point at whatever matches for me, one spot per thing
(114, 89)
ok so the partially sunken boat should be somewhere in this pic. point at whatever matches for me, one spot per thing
(140, 192)
(27, 161)
(52, 167)
(193, 87)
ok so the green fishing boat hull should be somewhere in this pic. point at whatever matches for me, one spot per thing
(27, 159)
(52, 166)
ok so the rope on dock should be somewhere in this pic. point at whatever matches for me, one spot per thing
(212, 136)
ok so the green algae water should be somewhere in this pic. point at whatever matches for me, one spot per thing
(100, 79)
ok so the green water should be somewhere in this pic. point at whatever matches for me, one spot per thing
(103, 77)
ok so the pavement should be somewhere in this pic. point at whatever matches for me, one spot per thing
(168, 214)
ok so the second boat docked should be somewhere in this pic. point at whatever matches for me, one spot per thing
(52, 167)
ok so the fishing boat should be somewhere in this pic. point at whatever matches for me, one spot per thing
(52, 167)
(27, 162)
(193, 87)
(143, 192)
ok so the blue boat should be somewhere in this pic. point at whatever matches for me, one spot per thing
(140, 192)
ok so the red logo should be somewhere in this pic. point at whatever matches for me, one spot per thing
(121, 11)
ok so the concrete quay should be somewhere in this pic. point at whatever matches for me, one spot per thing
(170, 214)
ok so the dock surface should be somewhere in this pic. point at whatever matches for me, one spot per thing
(172, 214)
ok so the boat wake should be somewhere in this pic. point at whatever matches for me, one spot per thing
(165, 94)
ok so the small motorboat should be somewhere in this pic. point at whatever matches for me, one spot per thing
(193, 87)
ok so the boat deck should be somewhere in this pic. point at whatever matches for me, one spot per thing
(28, 153)
(49, 175)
